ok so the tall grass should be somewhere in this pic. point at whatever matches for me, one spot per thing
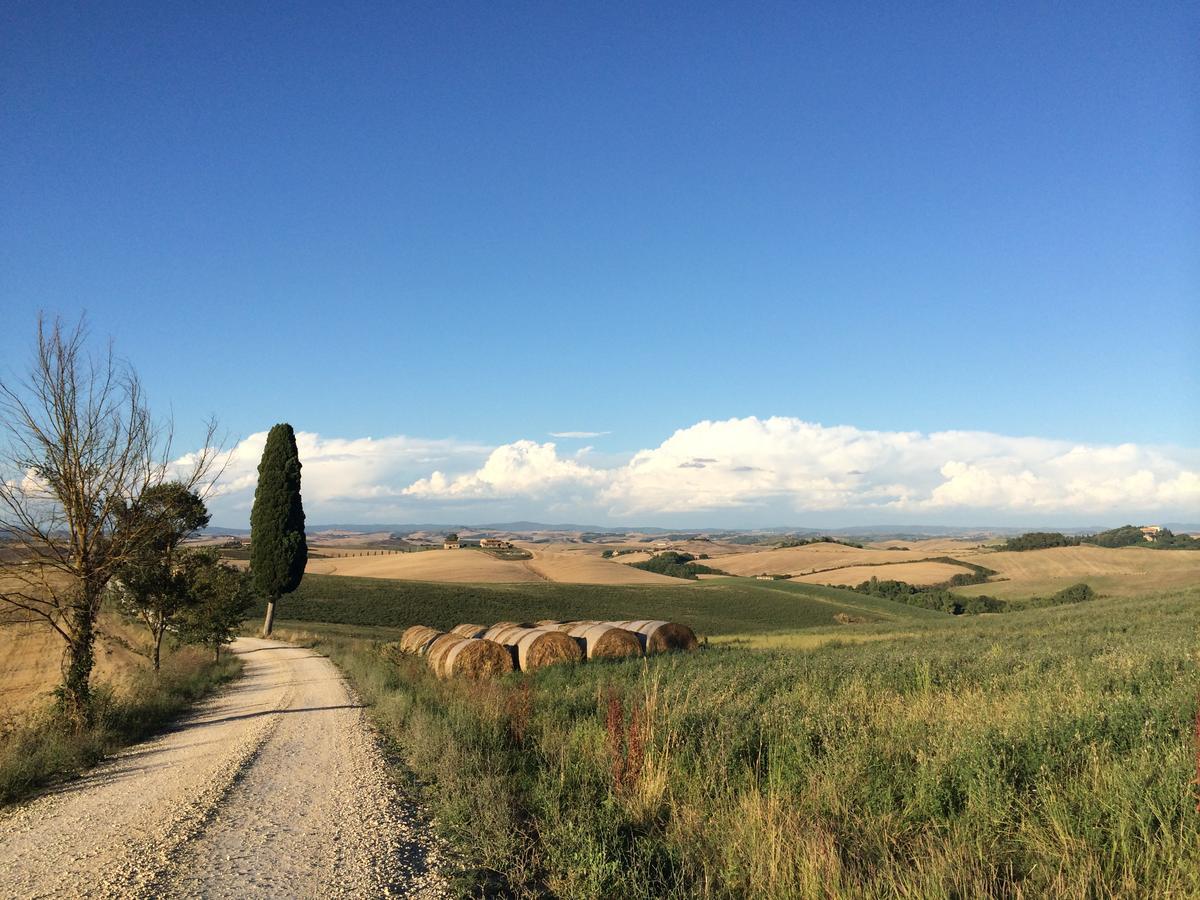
(44, 748)
(1040, 753)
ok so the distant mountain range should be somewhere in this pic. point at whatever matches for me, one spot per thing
(897, 532)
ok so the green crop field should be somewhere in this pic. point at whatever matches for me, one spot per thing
(717, 607)
(1047, 752)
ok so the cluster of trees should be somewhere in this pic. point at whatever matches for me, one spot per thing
(939, 598)
(929, 597)
(804, 542)
(95, 506)
(1124, 536)
(188, 593)
(677, 565)
(1040, 540)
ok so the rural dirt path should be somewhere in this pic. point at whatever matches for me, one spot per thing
(275, 788)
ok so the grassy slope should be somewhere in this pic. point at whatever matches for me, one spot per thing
(1041, 753)
(719, 606)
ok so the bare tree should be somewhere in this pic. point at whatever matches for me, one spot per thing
(78, 446)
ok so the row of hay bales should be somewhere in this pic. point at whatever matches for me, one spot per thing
(481, 651)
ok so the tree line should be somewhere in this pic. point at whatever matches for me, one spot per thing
(1124, 536)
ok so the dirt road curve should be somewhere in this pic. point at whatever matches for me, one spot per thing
(274, 789)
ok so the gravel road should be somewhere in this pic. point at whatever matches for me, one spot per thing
(275, 788)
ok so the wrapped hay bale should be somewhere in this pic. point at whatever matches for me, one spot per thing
(469, 631)
(476, 659)
(659, 637)
(436, 654)
(418, 638)
(600, 641)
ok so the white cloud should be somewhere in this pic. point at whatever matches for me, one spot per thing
(739, 471)
(520, 469)
(578, 434)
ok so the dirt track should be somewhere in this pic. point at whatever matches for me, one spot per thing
(275, 788)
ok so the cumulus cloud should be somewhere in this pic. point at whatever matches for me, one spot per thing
(740, 470)
(521, 469)
(804, 466)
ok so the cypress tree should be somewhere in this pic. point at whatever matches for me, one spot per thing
(278, 550)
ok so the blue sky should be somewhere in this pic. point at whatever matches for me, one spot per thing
(480, 224)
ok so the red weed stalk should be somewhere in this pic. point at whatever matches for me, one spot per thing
(1197, 781)
(626, 743)
(614, 727)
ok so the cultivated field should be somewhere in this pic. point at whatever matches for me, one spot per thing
(575, 565)
(468, 566)
(561, 563)
(809, 558)
(919, 573)
(1127, 571)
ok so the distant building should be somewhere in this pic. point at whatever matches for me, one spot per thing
(451, 545)
(495, 544)
(1150, 532)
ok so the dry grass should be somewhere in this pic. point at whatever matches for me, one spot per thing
(30, 662)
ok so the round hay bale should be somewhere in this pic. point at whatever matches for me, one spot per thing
(547, 623)
(538, 647)
(600, 641)
(659, 637)
(497, 633)
(418, 638)
(469, 631)
(477, 659)
(436, 654)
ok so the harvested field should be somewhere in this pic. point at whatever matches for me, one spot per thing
(806, 559)
(934, 546)
(586, 566)
(920, 573)
(1118, 572)
(460, 566)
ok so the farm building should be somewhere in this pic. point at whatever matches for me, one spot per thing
(451, 545)
(495, 544)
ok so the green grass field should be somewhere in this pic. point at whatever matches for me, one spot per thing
(716, 607)
(1040, 753)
